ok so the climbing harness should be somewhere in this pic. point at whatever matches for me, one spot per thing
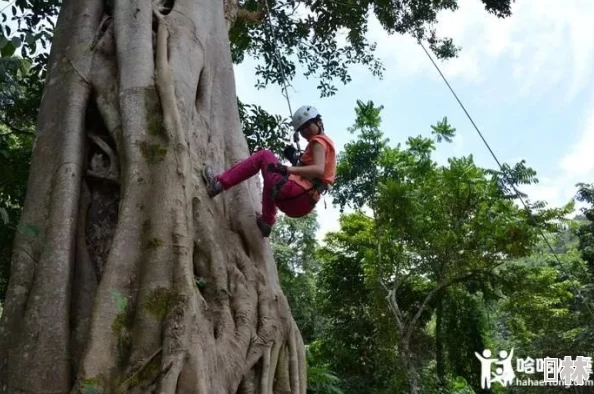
(318, 187)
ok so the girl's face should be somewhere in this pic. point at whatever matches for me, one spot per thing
(309, 129)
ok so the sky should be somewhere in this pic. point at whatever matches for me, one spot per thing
(525, 80)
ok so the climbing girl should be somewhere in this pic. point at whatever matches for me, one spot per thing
(294, 190)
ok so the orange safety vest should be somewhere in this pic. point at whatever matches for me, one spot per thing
(329, 165)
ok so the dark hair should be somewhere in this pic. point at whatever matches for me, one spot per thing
(320, 126)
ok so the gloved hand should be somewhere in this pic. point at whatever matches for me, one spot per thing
(290, 153)
(278, 168)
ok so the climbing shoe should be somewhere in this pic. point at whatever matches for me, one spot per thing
(213, 186)
(264, 227)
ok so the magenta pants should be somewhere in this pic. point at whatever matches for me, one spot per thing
(294, 207)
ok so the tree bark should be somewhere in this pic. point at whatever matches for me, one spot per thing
(439, 337)
(406, 328)
(404, 348)
(117, 226)
(411, 371)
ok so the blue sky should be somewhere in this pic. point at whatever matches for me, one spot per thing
(525, 81)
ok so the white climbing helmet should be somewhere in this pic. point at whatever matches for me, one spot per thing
(303, 114)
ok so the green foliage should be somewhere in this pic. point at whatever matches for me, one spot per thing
(359, 337)
(23, 65)
(450, 226)
(294, 245)
(540, 313)
(357, 167)
(466, 327)
(443, 131)
(453, 218)
(531, 304)
(263, 130)
(18, 110)
(585, 232)
(320, 379)
(14, 167)
(326, 38)
(306, 32)
(461, 386)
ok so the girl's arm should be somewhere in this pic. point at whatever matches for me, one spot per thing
(316, 170)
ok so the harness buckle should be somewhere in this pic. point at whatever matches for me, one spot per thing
(278, 186)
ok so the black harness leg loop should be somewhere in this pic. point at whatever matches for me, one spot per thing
(318, 186)
(278, 186)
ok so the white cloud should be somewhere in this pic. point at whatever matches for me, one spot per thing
(540, 46)
(574, 166)
(579, 162)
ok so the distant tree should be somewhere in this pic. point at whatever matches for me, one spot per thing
(17, 120)
(294, 246)
(435, 226)
(585, 232)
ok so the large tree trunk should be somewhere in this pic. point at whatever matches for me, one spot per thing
(125, 276)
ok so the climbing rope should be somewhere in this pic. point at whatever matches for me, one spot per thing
(285, 91)
(579, 294)
(8, 5)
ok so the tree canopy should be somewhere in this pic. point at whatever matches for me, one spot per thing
(325, 38)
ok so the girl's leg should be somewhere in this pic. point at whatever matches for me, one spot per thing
(247, 168)
(296, 207)
(268, 206)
